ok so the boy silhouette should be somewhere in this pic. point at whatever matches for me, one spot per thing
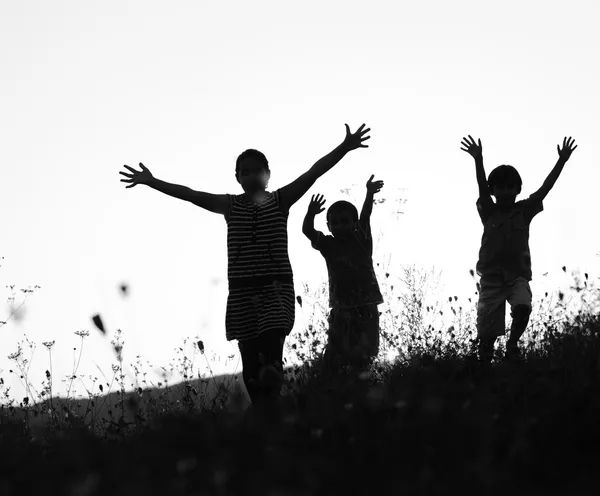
(261, 303)
(504, 264)
(353, 335)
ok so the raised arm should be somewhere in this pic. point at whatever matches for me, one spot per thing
(365, 214)
(314, 208)
(563, 155)
(476, 151)
(218, 204)
(291, 193)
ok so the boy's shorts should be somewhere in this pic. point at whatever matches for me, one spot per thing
(491, 307)
(353, 336)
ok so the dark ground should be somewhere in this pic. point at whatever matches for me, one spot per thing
(436, 426)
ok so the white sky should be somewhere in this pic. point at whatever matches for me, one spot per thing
(184, 87)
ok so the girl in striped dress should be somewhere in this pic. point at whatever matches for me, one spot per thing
(260, 305)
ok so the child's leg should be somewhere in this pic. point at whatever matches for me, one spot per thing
(491, 309)
(368, 335)
(249, 350)
(262, 362)
(270, 374)
(519, 298)
(339, 340)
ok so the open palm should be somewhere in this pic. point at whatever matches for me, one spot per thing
(472, 148)
(355, 140)
(316, 205)
(136, 177)
(567, 149)
(374, 186)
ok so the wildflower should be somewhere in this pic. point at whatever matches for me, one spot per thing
(48, 344)
(98, 323)
(16, 354)
(82, 334)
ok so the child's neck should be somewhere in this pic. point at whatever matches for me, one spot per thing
(257, 197)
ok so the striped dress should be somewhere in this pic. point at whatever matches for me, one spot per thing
(261, 285)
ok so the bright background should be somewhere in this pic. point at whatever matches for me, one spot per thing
(185, 86)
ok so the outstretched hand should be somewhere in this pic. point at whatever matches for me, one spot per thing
(567, 148)
(355, 140)
(316, 204)
(374, 186)
(472, 148)
(136, 177)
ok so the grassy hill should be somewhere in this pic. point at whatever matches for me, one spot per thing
(435, 421)
(431, 424)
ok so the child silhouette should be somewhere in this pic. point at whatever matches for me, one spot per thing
(353, 335)
(260, 304)
(504, 264)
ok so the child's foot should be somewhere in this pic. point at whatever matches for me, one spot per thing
(485, 351)
(513, 353)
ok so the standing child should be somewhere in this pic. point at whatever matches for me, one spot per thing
(353, 336)
(260, 305)
(504, 259)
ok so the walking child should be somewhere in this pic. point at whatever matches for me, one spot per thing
(353, 335)
(504, 264)
(260, 305)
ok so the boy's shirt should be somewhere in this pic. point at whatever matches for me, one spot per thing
(352, 280)
(504, 254)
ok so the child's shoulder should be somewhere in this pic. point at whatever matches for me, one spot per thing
(533, 201)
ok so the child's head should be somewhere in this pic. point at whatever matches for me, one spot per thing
(252, 170)
(505, 183)
(342, 219)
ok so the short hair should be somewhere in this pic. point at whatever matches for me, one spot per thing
(505, 175)
(251, 153)
(342, 206)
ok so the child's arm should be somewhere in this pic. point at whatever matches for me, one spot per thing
(218, 204)
(476, 151)
(314, 208)
(365, 213)
(563, 155)
(291, 193)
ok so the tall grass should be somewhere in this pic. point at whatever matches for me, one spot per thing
(427, 418)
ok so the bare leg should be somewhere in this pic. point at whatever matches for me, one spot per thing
(520, 316)
(486, 349)
(262, 360)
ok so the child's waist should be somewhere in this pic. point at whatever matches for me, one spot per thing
(260, 280)
(361, 309)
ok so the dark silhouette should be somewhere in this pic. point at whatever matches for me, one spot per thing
(504, 259)
(353, 336)
(260, 305)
